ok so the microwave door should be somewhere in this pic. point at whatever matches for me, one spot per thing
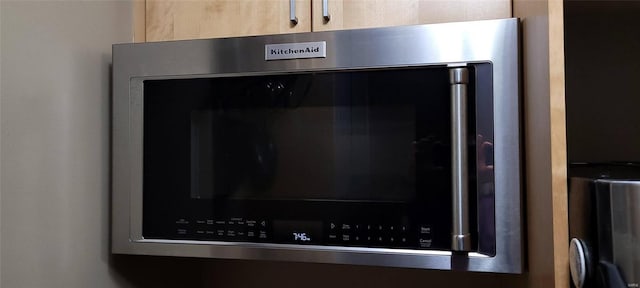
(399, 148)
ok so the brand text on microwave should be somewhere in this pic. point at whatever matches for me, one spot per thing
(294, 51)
(299, 50)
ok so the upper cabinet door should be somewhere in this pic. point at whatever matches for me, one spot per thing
(193, 19)
(353, 14)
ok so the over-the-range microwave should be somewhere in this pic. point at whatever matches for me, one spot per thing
(394, 146)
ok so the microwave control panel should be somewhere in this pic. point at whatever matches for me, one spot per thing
(329, 233)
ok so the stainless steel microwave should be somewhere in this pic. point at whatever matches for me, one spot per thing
(391, 146)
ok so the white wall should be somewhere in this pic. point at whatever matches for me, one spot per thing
(54, 121)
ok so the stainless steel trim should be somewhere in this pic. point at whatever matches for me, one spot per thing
(461, 238)
(315, 247)
(494, 41)
(292, 12)
(325, 11)
(136, 117)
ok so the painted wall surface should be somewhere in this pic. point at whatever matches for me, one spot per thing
(54, 101)
(54, 175)
(602, 44)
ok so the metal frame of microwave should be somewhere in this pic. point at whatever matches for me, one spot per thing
(494, 41)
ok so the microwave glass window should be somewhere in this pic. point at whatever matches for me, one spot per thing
(367, 135)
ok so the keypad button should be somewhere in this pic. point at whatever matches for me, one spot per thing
(425, 230)
(424, 243)
(182, 221)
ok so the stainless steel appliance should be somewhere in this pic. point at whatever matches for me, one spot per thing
(604, 225)
(392, 146)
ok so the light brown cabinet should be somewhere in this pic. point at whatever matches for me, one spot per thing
(353, 14)
(194, 19)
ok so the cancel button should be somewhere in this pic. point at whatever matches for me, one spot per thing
(424, 243)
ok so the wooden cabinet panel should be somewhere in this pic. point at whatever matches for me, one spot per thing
(353, 14)
(193, 19)
(545, 141)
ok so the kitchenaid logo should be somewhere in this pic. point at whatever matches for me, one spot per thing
(295, 50)
(292, 51)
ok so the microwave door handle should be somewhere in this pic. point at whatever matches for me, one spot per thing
(461, 238)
